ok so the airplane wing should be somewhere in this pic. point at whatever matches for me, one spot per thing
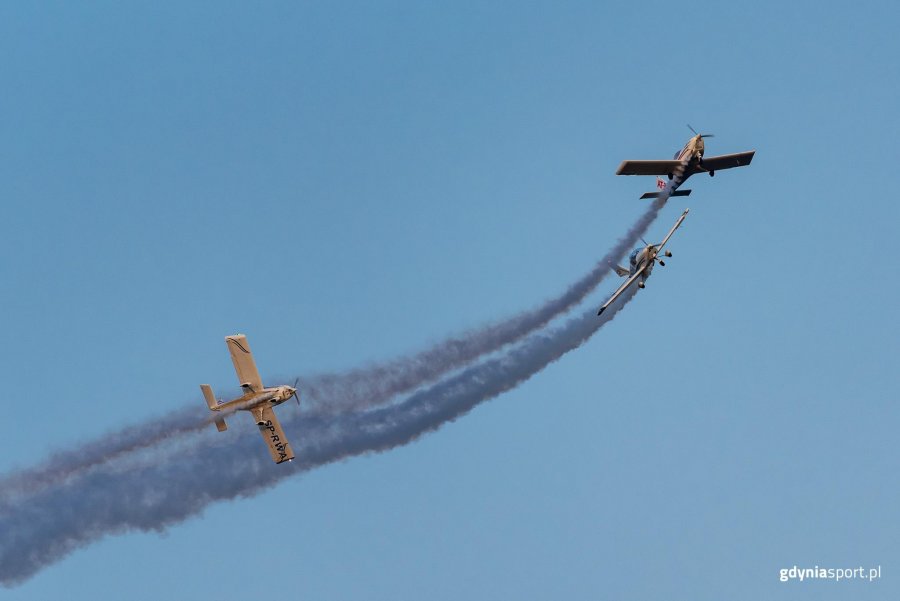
(727, 161)
(274, 436)
(243, 361)
(648, 167)
(622, 289)
(672, 231)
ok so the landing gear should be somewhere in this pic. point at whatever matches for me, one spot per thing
(641, 284)
(661, 262)
(712, 173)
(670, 176)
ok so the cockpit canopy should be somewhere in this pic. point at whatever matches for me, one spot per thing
(634, 256)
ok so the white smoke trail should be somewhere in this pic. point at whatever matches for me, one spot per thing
(371, 386)
(153, 493)
(64, 464)
(113, 498)
(360, 388)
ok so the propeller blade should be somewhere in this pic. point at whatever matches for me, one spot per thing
(701, 135)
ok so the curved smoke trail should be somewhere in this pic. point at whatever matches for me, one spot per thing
(366, 387)
(154, 495)
(371, 386)
(158, 487)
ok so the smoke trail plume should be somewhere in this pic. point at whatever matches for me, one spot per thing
(365, 387)
(371, 386)
(157, 487)
(153, 495)
(63, 464)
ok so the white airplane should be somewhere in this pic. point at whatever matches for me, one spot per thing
(642, 261)
(686, 162)
(256, 399)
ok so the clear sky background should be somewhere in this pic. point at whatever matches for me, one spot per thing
(348, 182)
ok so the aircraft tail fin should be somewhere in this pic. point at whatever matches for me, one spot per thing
(657, 194)
(209, 396)
(221, 426)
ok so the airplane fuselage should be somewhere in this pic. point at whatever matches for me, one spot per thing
(691, 156)
(266, 396)
(639, 258)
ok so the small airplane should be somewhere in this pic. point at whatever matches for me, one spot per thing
(256, 399)
(686, 162)
(642, 261)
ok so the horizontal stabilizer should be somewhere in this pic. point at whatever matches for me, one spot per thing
(621, 271)
(221, 426)
(209, 396)
(658, 194)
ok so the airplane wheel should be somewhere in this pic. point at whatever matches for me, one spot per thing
(670, 176)
(640, 284)
(712, 173)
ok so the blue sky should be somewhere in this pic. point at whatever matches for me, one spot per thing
(345, 184)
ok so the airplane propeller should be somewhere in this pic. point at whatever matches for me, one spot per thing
(295, 395)
(701, 135)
